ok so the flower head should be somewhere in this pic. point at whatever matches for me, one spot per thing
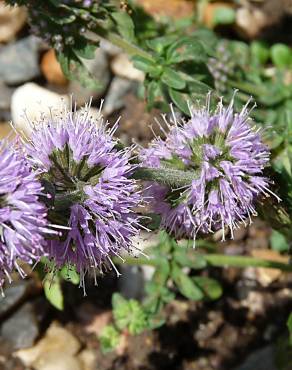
(94, 197)
(226, 156)
(22, 215)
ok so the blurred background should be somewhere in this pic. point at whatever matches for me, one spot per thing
(245, 327)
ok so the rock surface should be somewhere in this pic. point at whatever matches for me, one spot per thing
(14, 294)
(12, 19)
(19, 61)
(34, 101)
(21, 328)
(123, 67)
(52, 70)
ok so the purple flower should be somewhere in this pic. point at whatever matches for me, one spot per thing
(79, 157)
(22, 216)
(227, 158)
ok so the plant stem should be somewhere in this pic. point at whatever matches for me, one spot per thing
(222, 260)
(167, 176)
(115, 39)
(219, 260)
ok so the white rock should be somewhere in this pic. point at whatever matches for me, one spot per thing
(57, 361)
(29, 102)
(58, 343)
(12, 19)
(123, 67)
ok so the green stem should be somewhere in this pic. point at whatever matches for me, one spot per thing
(219, 260)
(222, 260)
(247, 87)
(167, 176)
(115, 39)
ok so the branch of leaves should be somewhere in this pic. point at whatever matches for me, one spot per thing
(129, 317)
(176, 71)
(174, 264)
(52, 282)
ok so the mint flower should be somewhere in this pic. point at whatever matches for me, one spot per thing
(226, 157)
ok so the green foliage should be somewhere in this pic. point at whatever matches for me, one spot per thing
(128, 315)
(109, 338)
(279, 242)
(223, 15)
(53, 291)
(281, 55)
(289, 324)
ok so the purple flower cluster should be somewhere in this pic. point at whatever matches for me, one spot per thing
(22, 216)
(226, 156)
(79, 156)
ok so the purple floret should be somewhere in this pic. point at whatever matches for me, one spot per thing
(227, 157)
(22, 216)
(76, 153)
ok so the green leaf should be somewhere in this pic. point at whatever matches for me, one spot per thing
(260, 52)
(180, 100)
(289, 324)
(129, 314)
(53, 291)
(144, 64)
(125, 25)
(69, 273)
(189, 258)
(109, 338)
(153, 91)
(173, 79)
(211, 288)
(281, 55)
(223, 15)
(186, 49)
(185, 284)
(279, 242)
(160, 43)
(74, 69)
(84, 49)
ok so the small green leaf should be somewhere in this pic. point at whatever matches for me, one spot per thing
(289, 323)
(144, 64)
(160, 43)
(129, 314)
(84, 49)
(189, 258)
(185, 284)
(69, 273)
(211, 288)
(109, 338)
(260, 52)
(125, 25)
(180, 100)
(173, 79)
(223, 15)
(186, 49)
(281, 55)
(279, 242)
(53, 291)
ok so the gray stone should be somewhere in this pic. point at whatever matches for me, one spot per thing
(21, 329)
(14, 294)
(262, 359)
(5, 96)
(115, 97)
(19, 61)
(99, 68)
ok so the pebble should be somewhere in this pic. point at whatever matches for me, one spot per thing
(14, 294)
(52, 70)
(262, 359)
(5, 97)
(21, 328)
(19, 61)
(123, 67)
(99, 68)
(35, 101)
(58, 346)
(12, 19)
(115, 97)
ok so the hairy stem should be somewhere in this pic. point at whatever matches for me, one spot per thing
(219, 260)
(166, 176)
